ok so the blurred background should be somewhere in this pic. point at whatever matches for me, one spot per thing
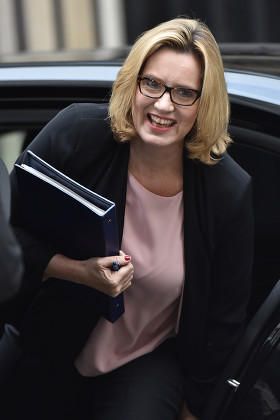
(73, 28)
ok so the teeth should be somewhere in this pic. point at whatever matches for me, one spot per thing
(161, 121)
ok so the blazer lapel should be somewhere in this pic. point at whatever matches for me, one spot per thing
(197, 261)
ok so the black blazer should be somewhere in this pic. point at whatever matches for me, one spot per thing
(218, 228)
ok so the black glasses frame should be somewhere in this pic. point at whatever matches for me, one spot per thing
(166, 89)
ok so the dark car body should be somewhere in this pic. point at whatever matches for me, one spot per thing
(31, 94)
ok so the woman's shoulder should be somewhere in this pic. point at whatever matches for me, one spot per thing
(77, 122)
(229, 179)
(222, 182)
(82, 124)
(77, 132)
(228, 165)
(91, 110)
(84, 130)
(226, 173)
(84, 111)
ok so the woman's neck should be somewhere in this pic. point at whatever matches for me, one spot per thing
(159, 170)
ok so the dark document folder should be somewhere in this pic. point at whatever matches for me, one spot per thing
(75, 220)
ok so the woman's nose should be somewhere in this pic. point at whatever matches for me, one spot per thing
(164, 103)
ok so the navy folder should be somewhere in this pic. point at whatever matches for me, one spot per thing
(75, 220)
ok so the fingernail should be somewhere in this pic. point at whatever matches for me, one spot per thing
(127, 258)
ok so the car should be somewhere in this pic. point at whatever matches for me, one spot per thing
(33, 93)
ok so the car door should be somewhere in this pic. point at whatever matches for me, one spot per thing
(249, 387)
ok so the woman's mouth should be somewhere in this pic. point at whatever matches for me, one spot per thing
(161, 122)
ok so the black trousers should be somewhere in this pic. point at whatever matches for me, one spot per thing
(150, 388)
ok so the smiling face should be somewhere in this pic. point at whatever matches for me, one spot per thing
(160, 121)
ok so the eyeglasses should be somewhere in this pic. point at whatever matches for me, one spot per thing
(180, 96)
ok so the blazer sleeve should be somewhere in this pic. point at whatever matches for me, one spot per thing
(229, 292)
(57, 143)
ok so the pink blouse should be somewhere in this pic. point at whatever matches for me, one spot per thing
(153, 236)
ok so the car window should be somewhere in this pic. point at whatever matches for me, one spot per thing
(11, 144)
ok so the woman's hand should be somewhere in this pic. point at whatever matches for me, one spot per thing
(100, 276)
(94, 272)
(186, 414)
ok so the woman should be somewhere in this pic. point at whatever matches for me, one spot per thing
(185, 224)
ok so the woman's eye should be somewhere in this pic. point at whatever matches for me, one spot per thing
(152, 84)
(185, 93)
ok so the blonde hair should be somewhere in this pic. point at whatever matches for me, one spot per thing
(208, 138)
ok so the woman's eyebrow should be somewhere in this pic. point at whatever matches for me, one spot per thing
(158, 79)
